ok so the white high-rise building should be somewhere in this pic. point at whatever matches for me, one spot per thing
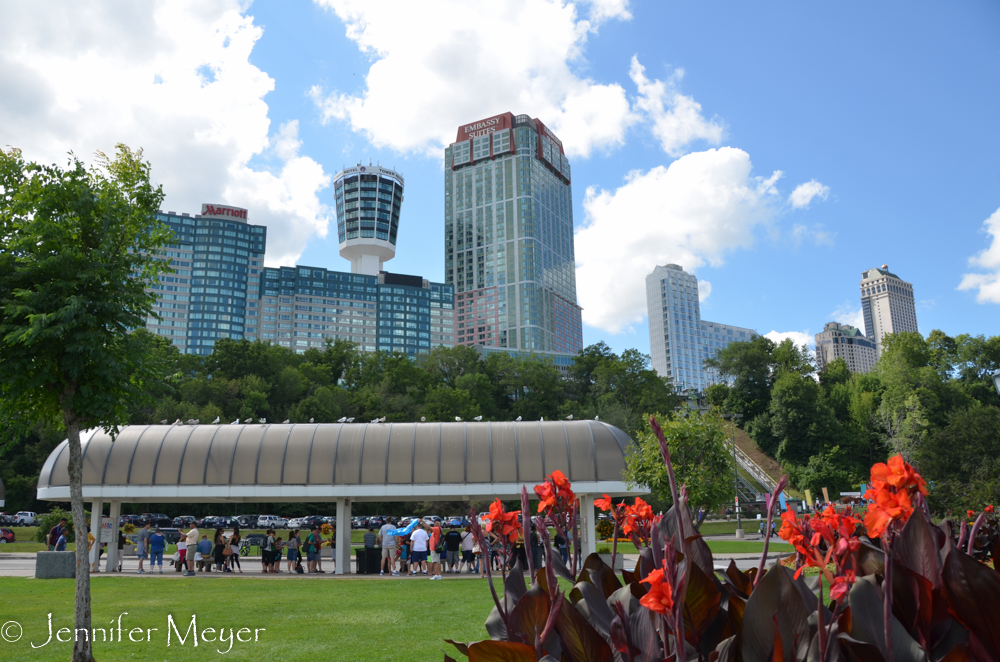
(887, 304)
(843, 341)
(679, 340)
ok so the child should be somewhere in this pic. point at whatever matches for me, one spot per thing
(156, 544)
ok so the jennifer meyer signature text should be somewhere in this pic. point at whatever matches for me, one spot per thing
(173, 632)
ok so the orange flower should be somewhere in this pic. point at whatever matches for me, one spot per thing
(638, 520)
(560, 480)
(971, 514)
(555, 493)
(604, 504)
(504, 524)
(660, 597)
(897, 473)
(893, 484)
(988, 509)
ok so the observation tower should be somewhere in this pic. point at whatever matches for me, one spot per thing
(368, 202)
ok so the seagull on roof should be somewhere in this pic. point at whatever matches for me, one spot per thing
(597, 418)
(350, 420)
(458, 419)
(249, 420)
(236, 422)
(478, 418)
(164, 421)
(342, 419)
(423, 419)
(284, 421)
(541, 418)
(216, 421)
(311, 420)
(570, 417)
(177, 422)
(189, 421)
(518, 419)
(262, 420)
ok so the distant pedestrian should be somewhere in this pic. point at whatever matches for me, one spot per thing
(562, 547)
(191, 541)
(54, 533)
(219, 544)
(279, 548)
(156, 544)
(453, 545)
(312, 547)
(370, 538)
(468, 542)
(60, 545)
(293, 550)
(388, 541)
(267, 552)
(419, 540)
(142, 547)
(234, 545)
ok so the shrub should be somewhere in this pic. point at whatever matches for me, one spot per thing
(50, 519)
(605, 529)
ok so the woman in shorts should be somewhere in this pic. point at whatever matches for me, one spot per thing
(293, 549)
(234, 546)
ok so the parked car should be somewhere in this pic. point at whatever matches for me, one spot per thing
(184, 521)
(330, 519)
(376, 522)
(128, 519)
(6, 519)
(270, 522)
(208, 522)
(26, 518)
(295, 523)
(6, 535)
(171, 535)
(432, 520)
(309, 522)
(155, 519)
(455, 521)
(359, 522)
(247, 521)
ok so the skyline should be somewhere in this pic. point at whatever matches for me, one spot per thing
(881, 130)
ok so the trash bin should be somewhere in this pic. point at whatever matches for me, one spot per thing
(367, 560)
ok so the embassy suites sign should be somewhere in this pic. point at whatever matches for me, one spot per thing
(223, 211)
(484, 127)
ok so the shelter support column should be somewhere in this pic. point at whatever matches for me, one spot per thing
(116, 511)
(588, 526)
(343, 558)
(96, 513)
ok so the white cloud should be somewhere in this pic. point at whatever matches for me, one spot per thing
(173, 78)
(849, 313)
(704, 290)
(438, 65)
(987, 284)
(690, 213)
(816, 235)
(798, 337)
(676, 119)
(803, 194)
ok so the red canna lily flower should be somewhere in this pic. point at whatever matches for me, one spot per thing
(893, 484)
(988, 509)
(971, 514)
(660, 597)
(604, 504)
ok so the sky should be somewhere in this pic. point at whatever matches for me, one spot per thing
(775, 150)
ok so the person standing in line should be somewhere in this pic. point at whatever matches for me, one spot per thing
(55, 532)
(437, 551)
(312, 550)
(453, 545)
(121, 548)
(191, 541)
(562, 548)
(156, 544)
(220, 543)
(293, 550)
(142, 548)
(388, 549)
(468, 542)
(60, 545)
(267, 552)
(418, 545)
(182, 552)
(279, 547)
(234, 545)
(370, 538)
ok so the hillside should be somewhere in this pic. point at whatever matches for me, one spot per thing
(770, 466)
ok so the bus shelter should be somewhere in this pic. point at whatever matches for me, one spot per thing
(340, 463)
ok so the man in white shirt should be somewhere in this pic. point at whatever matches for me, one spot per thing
(388, 549)
(192, 542)
(418, 549)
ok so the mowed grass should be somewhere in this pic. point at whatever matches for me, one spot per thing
(717, 547)
(305, 619)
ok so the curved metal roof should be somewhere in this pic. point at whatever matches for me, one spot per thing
(305, 462)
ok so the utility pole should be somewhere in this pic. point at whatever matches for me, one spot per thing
(732, 418)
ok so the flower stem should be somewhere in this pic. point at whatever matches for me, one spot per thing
(887, 595)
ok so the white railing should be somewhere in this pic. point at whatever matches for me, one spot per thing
(754, 469)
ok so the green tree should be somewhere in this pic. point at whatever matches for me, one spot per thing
(77, 251)
(832, 469)
(962, 460)
(699, 451)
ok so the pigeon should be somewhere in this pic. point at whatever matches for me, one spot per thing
(350, 420)
(177, 422)
(263, 420)
(423, 419)
(570, 417)
(284, 421)
(478, 418)
(249, 420)
(216, 421)
(236, 422)
(342, 419)
(311, 420)
(164, 421)
(458, 419)
(518, 419)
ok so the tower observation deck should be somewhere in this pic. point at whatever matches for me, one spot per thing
(368, 203)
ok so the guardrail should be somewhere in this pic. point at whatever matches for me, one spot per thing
(754, 469)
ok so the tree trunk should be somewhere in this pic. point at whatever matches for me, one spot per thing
(82, 651)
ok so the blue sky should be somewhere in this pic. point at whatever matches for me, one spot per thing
(890, 109)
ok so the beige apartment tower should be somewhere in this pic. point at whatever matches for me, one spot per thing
(887, 304)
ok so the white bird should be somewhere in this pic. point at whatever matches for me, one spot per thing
(423, 419)
(249, 420)
(597, 418)
(263, 420)
(374, 420)
(350, 420)
(541, 418)
(215, 422)
(189, 421)
(458, 419)
(479, 418)
(382, 420)
(518, 418)
(284, 421)
(342, 419)
(164, 421)
(236, 422)
(570, 417)
(311, 420)
(177, 422)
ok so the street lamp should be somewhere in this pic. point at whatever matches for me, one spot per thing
(996, 381)
(732, 418)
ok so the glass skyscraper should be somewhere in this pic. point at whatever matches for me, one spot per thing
(679, 339)
(509, 237)
(213, 256)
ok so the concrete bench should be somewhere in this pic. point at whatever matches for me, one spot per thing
(55, 565)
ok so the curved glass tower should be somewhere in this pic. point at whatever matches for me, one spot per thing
(368, 203)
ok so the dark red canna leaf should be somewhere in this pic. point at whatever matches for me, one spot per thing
(775, 597)
(501, 651)
(600, 575)
(528, 616)
(580, 641)
(973, 593)
(701, 605)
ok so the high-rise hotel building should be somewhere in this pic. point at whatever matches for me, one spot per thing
(509, 237)
(843, 341)
(206, 298)
(679, 339)
(887, 304)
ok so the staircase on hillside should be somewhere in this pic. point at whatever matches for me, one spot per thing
(753, 483)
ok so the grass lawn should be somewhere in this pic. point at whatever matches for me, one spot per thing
(717, 547)
(305, 619)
